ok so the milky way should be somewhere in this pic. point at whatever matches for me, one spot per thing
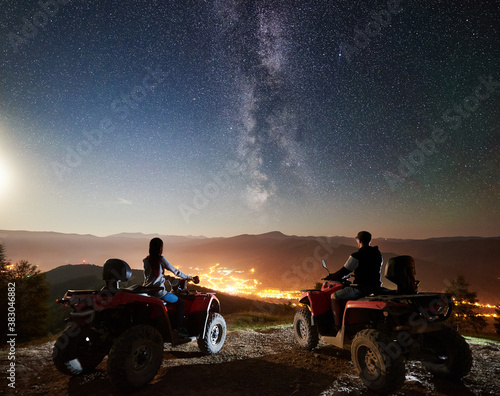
(224, 117)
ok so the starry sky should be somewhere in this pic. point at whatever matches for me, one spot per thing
(218, 118)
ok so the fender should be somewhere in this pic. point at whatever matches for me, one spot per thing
(319, 301)
(200, 309)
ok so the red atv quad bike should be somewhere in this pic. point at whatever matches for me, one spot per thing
(131, 327)
(384, 329)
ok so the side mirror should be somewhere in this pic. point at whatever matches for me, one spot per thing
(323, 263)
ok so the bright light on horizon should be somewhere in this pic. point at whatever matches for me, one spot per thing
(5, 177)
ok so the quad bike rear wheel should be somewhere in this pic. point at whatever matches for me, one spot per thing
(305, 333)
(453, 357)
(215, 334)
(379, 371)
(76, 351)
(135, 357)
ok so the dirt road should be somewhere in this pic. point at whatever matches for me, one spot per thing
(258, 363)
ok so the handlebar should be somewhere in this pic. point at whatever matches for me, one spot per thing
(343, 282)
(338, 280)
(180, 284)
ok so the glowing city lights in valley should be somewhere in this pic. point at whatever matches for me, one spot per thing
(279, 294)
(236, 283)
(476, 304)
(229, 281)
(479, 305)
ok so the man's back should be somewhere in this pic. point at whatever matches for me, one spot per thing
(367, 274)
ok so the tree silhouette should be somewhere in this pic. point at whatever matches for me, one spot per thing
(464, 315)
(3, 260)
(30, 292)
(497, 319)
(3, 293)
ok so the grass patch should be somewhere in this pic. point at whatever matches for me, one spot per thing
(483, 338)
(256, 320)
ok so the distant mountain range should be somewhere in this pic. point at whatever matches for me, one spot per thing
(280, 261)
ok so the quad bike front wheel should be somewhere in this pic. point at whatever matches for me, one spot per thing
(380, 369)
(77, 350)
(305, 333)
(215, 334)
(135, 357)
(452, 355)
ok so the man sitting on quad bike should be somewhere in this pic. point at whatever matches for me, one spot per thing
(385, 329)
(366, 264)
(154, 265)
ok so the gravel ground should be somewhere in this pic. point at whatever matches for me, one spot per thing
(264, 362)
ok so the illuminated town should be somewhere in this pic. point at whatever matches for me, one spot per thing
(483, 306)
(243, 283)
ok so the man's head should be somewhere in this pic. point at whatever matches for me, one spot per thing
(364, 238)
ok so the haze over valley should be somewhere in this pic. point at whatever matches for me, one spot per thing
(248, 264)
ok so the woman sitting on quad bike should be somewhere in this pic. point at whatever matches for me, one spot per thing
(154, 264)
(366, 264)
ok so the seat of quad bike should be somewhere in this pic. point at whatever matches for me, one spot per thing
(141, 289)
(115, 271)
(186, 296)
(383, 291)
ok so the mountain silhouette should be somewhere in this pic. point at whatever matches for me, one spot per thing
(279, 261)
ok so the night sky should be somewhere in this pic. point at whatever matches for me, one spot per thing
(219, 118)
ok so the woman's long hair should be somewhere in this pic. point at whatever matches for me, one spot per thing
(155, 252)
